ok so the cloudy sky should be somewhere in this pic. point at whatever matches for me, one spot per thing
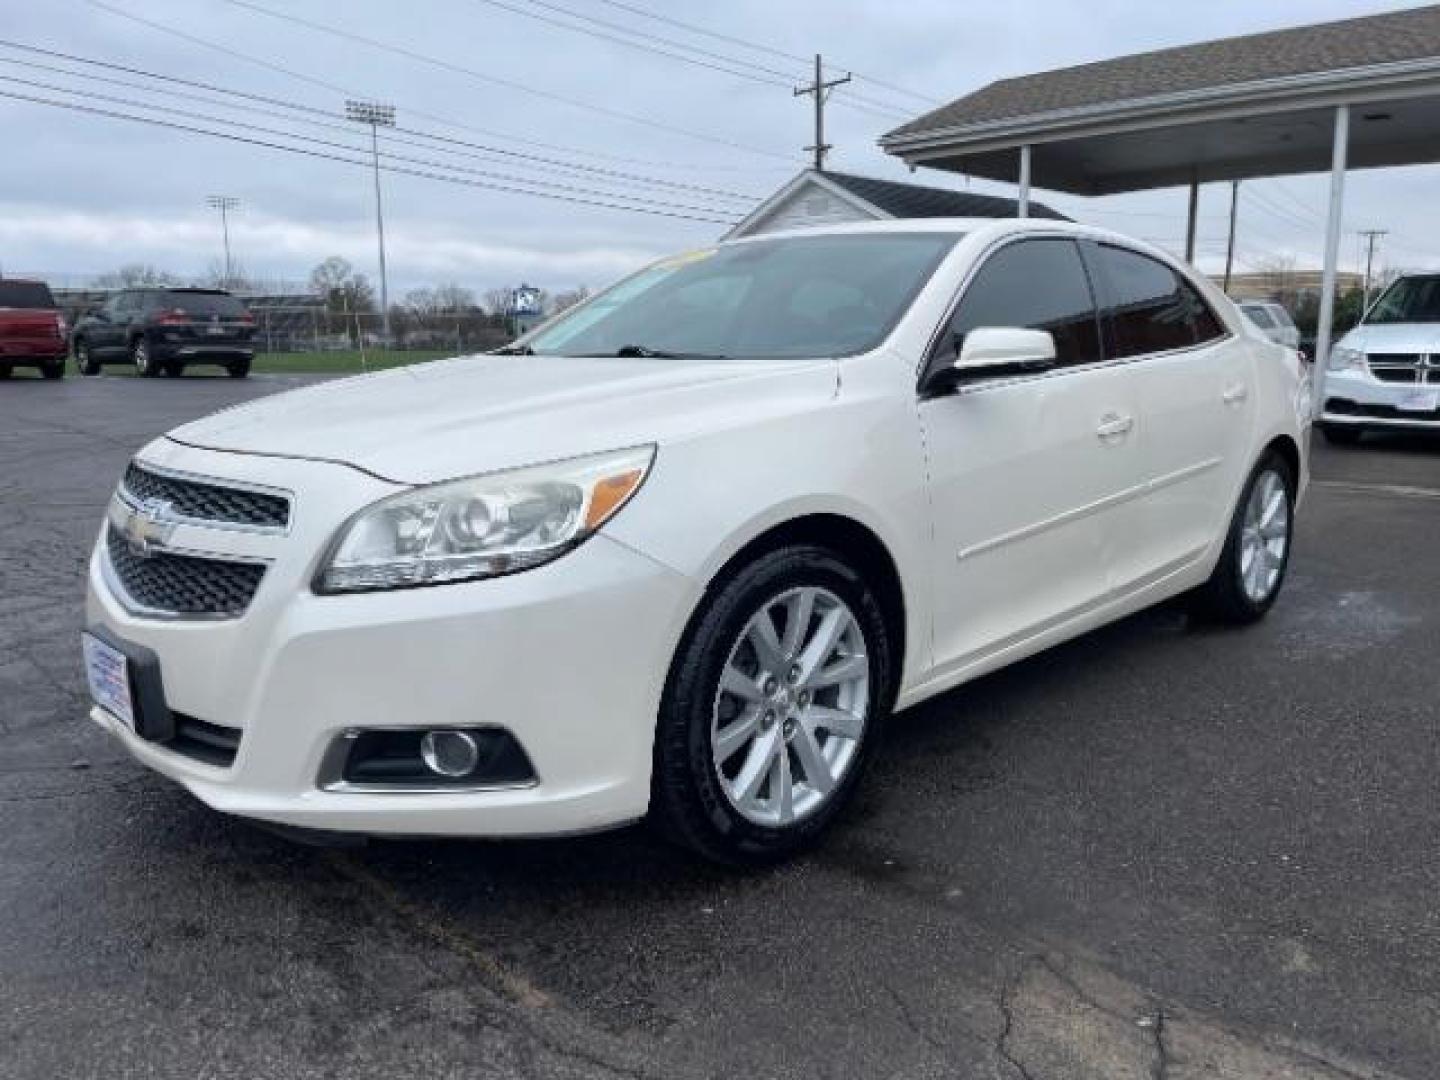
(532, 98)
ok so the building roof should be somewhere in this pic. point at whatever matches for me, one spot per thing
(917, 201)
(1390, 38)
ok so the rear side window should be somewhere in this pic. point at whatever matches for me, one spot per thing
(25, 294)
(1151, 308)
(1031, 285)
(202, 305)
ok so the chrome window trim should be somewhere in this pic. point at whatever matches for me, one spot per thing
(936, 336)
(134, 503)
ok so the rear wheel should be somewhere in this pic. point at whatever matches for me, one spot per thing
(174, 369)
(54, 370)
(5, 371)
(1341, 436)
(773, 706)
(84, 361)
(239, 369)
(1252, 566)
(145, 364)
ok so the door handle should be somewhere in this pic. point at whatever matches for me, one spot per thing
(1114, 426)
(1234, 394)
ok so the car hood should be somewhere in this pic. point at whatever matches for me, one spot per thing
(1394, 337)
(451, 418)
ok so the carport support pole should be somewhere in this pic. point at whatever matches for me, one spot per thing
(1022, 207)
(1190, 220)
(1332, 253)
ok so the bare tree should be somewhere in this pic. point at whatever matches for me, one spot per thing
(343, 289)
(497, 301)
(136, 275)
(569, 298)
(453, 297)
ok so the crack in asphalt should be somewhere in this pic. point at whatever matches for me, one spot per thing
(1007, 1015)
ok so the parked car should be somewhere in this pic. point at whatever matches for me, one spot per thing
(166, 330)
(32, 329)
(681, 550)
(1385, 373)
(1274, 321)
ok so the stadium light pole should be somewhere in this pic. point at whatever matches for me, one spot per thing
(377, 116)
(224, 203)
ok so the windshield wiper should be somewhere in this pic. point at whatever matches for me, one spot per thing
(514, 350)
(644, 352)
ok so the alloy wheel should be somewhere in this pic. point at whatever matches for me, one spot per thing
(1264, 536)
(792, 706)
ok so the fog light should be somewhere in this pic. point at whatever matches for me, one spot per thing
(449, 753)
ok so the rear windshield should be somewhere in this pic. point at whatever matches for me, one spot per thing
(203, 305)
(25, 294)
(1409, 300)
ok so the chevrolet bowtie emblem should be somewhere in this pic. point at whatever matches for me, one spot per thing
(148, 527)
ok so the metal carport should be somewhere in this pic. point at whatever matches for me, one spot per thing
(1359, 93)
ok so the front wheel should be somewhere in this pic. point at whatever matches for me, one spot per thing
(5, 371)
(239, 369)
(773, 706)
(145, 365)
(1252, 566)
(54, 370)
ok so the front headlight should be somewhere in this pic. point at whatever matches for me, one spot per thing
(481, 527)
(1342, 358)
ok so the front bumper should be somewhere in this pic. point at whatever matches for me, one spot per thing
(570, 657)
(1358, 399)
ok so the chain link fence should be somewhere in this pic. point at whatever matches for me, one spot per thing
(312, 329)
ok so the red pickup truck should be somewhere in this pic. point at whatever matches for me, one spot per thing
(32, 329)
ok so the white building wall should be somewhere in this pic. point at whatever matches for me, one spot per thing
(807, 207)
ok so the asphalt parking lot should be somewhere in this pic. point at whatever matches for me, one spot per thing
(1163, 850)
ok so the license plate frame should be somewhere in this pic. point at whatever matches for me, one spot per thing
(109, 677)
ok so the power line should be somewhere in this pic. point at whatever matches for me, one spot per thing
(460, 69)
(331, 144)
(346, 91)
(325, 119)
(635, 9)
(325, 155)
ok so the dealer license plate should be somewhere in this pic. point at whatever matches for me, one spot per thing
(1419, 401)
(108, 673)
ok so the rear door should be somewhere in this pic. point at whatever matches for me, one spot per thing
(1194, 384)
(105, 334)
(1025, 472)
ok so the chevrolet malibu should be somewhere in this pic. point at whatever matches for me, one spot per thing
(680, 552)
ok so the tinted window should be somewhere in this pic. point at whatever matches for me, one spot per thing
(202, 305)
(1150, 307)
(1033, 285)
(25, 294)
(800, 296)
(1260, 317)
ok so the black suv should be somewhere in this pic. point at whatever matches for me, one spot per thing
(166, 330)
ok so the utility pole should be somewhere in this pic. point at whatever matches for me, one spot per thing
(225, 203)
(1230, 244)
(376, 116)
(821, 91)
(1370, 235)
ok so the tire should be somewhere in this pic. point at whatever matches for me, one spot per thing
(1234, 594)
(54, 370)
(84, 361)
(173, 369)
(146, 366)
(780, 720)
(1341, 436)
(6, 371)
(239, 369)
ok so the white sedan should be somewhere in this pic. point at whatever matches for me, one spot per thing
(681, 551)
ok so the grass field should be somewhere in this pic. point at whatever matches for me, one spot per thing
(344, 362)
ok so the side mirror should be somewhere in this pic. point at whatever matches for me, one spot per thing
(990, 352)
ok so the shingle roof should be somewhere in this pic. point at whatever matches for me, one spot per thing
(914, 201)
(1412, 34)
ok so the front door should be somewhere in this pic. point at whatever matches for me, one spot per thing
(1025, 473)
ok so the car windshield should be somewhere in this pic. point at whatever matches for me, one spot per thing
(1409, 300)
(799, 296)
(25, 294)
(203, 304)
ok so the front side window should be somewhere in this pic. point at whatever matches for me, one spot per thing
(1149, 306)
(1030, 285)
(1409, 300)
(792, 297)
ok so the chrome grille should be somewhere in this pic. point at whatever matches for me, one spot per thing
(1413, 368)
(184, 585)
(212, 502)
